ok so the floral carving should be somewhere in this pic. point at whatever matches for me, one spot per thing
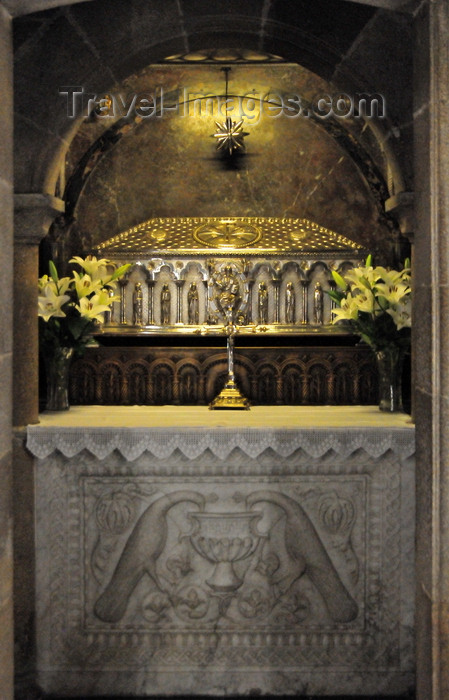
(336, 513)
(192, 603)
(254, 604)
(338, 516)
(114, 512)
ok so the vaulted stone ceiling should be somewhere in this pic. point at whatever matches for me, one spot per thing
(325, 28)
(101, 44)
(24, 7)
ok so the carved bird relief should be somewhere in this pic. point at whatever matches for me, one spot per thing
(309, 556)
(140, 554)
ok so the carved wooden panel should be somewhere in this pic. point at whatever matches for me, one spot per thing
(266, 375)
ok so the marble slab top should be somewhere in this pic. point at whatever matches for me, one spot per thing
(160, 430)
(281, 417)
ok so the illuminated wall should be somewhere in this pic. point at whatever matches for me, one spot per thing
(149, 164)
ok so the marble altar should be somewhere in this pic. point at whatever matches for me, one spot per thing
(269, 553)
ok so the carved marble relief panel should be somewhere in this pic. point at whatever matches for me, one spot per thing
(193, 556)
(147, 578)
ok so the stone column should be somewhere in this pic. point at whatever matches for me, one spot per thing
(206, 301)
(400, 206)
(305, 303)
(123, 283)
(277, 286)
(6, 256)
(150, 285)
(431, 336)
(249, 315)
(33, 214)
(179, 288)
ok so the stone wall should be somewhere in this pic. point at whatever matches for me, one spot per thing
(431, 329)
(6, 535)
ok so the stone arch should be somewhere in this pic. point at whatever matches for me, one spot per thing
(437, 12)
(190, 381)
(162, 374)
(111, 379)
(43, 132)
(177, 32)
(293, 382)
(266, 378)
(83, 382)
(381, 186)
(137, 381)
(318, 373)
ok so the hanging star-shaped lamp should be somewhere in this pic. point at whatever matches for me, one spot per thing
(230, 134)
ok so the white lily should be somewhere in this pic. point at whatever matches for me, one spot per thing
(64, 284)
(348, 311)
(393, 293)
(364, 301)
(59, 287)
(46, 281)
(85, 285)
(50, 303)
(390, 277)
(96, 269)
(361, 277)
(92, 308)
(402, 314)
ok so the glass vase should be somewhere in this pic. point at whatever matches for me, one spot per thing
(390, 366)
(57, 367)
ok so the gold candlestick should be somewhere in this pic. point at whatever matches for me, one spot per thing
(230, 396)
(228, 299)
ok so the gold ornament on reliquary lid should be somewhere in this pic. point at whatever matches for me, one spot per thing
(203, 235)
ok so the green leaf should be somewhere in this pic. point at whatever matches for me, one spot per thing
(366, 338)
(369, 261)
(336, 296)
(78, 326)
(120, 271)
(364, 282)
(339, 280)
(53, 271)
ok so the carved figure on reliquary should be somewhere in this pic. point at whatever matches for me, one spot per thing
(191, 557)
(318, 304)
(263, 303)
(193, 304)
(165, 305)
(290, 303)
(226, 290)
(138, 304)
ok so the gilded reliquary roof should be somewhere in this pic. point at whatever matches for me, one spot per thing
(228, 236)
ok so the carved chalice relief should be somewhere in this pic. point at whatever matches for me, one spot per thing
(224, 539)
